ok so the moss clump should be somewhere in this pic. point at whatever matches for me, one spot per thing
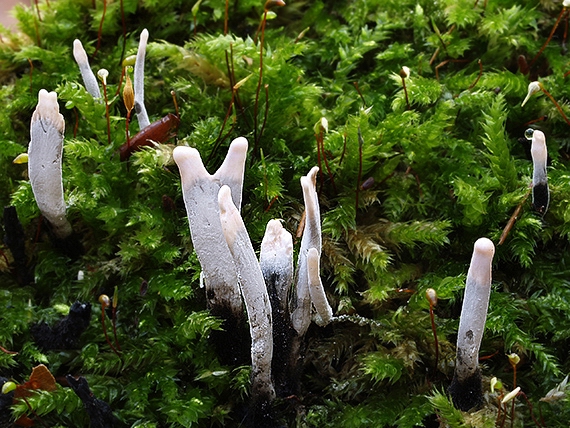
(409, 179)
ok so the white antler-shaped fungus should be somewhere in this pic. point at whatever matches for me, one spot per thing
(140, 109)
(254, 295)
(466, 390)
(276, 261)
(44, 162)
(316, 289)
(539, 153)
(200, 190)
(89, 79)
(301, 316)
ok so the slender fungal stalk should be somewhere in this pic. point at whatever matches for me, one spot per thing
(276, 261)
(89, 79)
(301, 316)
(44, 162)
(466, 390)
(316, 289)
(140, 109)
(255, 296)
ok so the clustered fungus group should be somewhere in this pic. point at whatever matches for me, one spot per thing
(280, 301)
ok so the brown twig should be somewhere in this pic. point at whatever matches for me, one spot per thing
(513, 219)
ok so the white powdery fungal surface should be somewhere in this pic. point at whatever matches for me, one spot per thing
(44, 162)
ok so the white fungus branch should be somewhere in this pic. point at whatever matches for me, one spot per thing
(466, 390)
(200, 191)
(254, 295)
(316, 289)
(89, 79)
(140, 109)
(301, 316)
(276, 261)
(44, 162)
(540, 192)
(474, 309)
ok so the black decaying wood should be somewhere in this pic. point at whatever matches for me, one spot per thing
(66, 332)
(100, 413)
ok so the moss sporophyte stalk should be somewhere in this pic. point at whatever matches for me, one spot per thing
(248, 213)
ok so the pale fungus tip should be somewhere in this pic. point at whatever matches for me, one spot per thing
(273, 229)
(538, 135)
(538, 148)
(48, 109)
(79, 52)
(190, 164)
(484, 247)
(184, 153)
(312, 175)
(240, 143)
(566, 3)
(276, 238)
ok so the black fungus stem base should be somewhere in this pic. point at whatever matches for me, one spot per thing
(467, 393)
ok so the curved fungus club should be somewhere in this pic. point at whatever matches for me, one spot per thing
(44, 162)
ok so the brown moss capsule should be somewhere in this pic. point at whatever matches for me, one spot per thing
(129, 94)
(431, 296)
(104, 300)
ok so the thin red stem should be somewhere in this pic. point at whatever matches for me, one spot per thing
(7, 352)
(105, 331)
(226, 18)
(557, 105)
(100, 32)
(406, 93)
(560, 16)
(434, 330)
